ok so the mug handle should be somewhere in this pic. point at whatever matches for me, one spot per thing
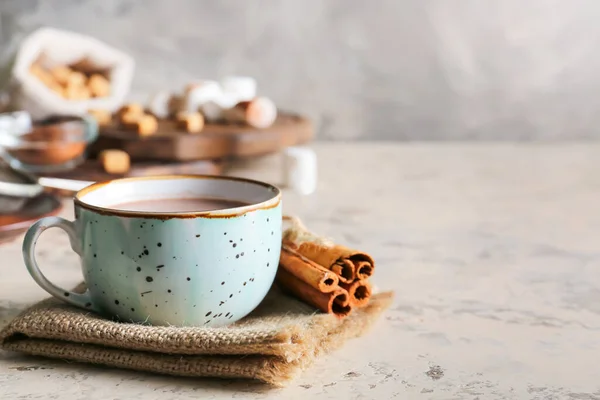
(82, 300)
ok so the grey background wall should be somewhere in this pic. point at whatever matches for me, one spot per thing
(384, 69)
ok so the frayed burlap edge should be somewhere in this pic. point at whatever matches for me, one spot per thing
(61, 322)
(281, 326)
(274, 359)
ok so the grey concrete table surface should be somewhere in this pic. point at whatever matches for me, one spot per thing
(493, 251)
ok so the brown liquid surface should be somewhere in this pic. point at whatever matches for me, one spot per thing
(179, 205)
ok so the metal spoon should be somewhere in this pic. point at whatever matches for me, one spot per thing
(16, 187)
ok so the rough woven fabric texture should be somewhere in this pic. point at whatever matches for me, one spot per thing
(282, 337)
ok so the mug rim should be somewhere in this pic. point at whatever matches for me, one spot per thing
(272, 202)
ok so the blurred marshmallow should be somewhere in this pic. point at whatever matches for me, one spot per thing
(259, 112)
(214, 110)
(199, 93)
(159, 104)
(242, 88)
(211, 111)
(300, 169)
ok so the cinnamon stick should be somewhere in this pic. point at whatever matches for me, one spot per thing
(345, 262)
(307, 271)
(364, 269)
(359, 292)
(331, 302)
(345, 269)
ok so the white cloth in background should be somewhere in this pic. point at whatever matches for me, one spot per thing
(63, 47)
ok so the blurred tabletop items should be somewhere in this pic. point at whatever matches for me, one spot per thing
(65, 114)
(492, 250)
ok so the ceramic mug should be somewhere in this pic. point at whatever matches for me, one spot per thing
(207, 268)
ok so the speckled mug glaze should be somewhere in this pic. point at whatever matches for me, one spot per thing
(206, 268)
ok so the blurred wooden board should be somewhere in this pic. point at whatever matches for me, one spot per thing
(214, 142)
(91, 170)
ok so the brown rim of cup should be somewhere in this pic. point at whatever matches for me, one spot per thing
(227, 213)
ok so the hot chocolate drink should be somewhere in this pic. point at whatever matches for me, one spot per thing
(179, 205)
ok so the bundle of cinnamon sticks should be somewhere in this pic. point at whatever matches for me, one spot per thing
(328, 276)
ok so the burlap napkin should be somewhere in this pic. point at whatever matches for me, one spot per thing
(279, 339)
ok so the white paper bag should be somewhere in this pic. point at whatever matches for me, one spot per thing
(57, 47)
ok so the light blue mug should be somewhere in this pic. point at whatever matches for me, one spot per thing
(187, 268)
